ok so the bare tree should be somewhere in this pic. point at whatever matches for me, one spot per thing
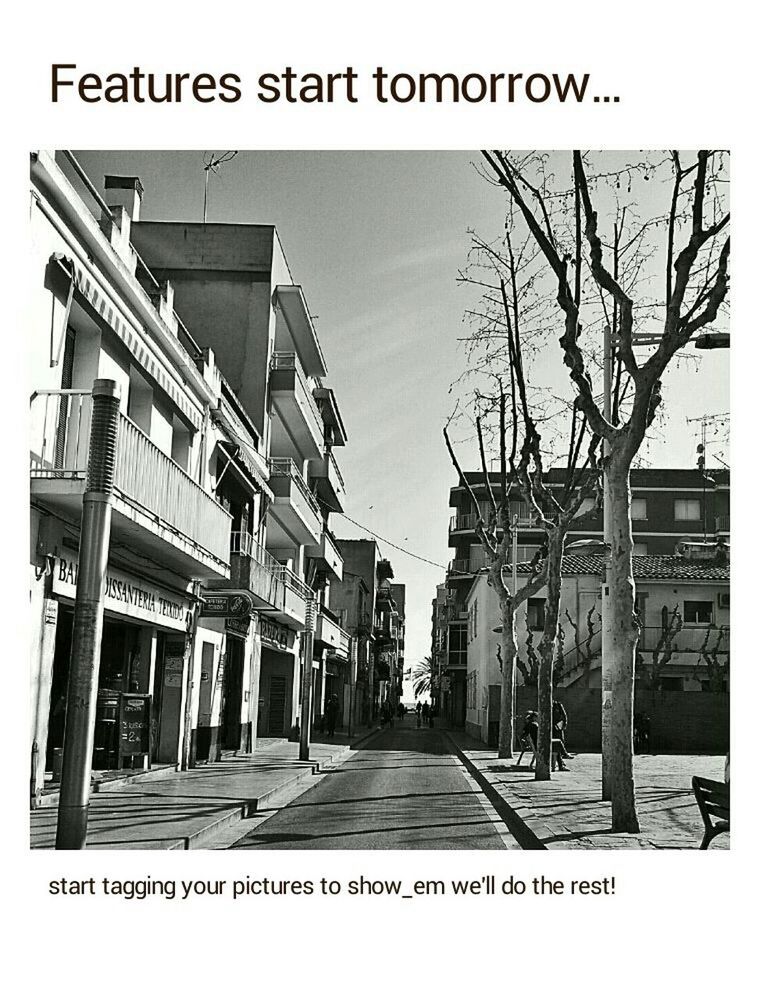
(665, 647)
(695, 252)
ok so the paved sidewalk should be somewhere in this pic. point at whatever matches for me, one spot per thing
(567, 812)
(186, 810)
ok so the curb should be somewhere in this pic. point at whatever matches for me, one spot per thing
(110, 784)
(249, 807)
(511, 815)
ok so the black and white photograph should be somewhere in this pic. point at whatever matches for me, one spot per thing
(380, 500)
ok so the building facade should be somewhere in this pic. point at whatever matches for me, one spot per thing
(220, 554)
(670, 508)
(683, 604)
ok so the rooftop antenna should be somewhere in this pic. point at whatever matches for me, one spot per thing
(212, 163)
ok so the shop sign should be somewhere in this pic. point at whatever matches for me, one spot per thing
(238, 626)
(226, 605)
(127, 595)
(274, 634)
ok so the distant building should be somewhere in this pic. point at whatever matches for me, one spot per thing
(682, 603)
(669, 507)
(372, 609)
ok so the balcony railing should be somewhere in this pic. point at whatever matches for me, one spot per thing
(690, 639)
(287, 467)
(286, 361)
(723, 522)
(144, 475)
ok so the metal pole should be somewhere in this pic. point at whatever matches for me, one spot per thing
(308, 656)
(606, 615)
(82, 694)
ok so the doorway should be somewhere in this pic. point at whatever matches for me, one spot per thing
(232, 703)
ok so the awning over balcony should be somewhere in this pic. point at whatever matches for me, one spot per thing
(241, 462)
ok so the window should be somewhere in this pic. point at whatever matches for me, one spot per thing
(697, 612)
(638, 509)
(536, 613)
(671, 683)
(457, 645)
(472, 621)
(687, 510)
(640, 548)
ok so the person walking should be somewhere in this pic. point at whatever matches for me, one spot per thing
(418, 710)
(332, 710)
(559, 727)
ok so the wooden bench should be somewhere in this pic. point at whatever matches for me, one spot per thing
(713, 799)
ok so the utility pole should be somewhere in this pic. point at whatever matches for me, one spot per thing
(82, 694)
(308, 656)
(515, 519)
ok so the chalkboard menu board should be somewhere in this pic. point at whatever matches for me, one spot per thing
(134, 725)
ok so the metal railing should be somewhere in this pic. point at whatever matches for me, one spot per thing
(288, 361)
(60, 433)
(689, 639)
(337, 471)
(244, 544)
(287, 467)
(155, 481)
(145, 475)
(723, 522)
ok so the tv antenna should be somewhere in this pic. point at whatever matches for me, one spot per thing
(211, 164)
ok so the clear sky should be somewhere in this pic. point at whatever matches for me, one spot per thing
(376, 240)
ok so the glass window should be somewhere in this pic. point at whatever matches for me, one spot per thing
(640, 548)
(687, 510)
(638, 509)
(697, 612)
(536, 613)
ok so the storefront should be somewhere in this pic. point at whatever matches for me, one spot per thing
(143, 652)
(279, 675)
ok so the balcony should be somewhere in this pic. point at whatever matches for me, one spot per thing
(274, 588)
(332, 636)
(328, 482)
(461, 568)
(723, 524)
(294, 515)
(157, 507)
(296, 419)
(327, 555)
(690, 639)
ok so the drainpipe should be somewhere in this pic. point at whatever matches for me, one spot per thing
(82, 695)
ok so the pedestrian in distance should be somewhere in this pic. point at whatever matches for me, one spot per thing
(418, 711)
(559, 726)
(332, 710)
(425, 712)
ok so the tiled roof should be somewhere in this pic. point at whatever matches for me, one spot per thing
(647, 568)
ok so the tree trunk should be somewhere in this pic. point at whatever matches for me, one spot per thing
(547, 650)
(509, 656)
(624, 637)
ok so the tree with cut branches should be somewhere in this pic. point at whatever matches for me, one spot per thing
(692, 243)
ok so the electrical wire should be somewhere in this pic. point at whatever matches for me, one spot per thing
(380, 538)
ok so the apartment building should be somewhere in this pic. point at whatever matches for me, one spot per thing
(372, 609)
(683, 604)
(235, 282)
(670, 507)
(220, 553)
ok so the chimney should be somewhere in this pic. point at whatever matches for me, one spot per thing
(124, 192)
